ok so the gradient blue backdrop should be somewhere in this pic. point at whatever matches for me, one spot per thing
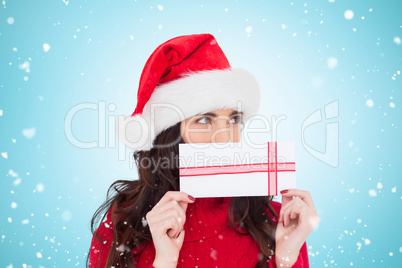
(57, 56)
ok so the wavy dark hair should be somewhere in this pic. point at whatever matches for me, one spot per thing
(154, 180)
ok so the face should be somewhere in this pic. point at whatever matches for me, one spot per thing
(223, 125)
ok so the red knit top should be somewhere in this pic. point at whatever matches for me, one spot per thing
(209, 240)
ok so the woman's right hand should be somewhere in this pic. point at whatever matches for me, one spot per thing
(166, 221)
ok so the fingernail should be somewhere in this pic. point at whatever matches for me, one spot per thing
(178, 234)
(284, 191)
(191, 198)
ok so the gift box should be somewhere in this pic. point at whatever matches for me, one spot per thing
(236, 169)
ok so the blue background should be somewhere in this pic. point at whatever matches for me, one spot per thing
(304, 54)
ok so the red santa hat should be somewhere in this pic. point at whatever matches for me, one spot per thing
(183, 77)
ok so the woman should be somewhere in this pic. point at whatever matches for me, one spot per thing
(189, 93)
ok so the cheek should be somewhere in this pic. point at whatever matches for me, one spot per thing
(198, 136)
(194, 134)
(237, 134)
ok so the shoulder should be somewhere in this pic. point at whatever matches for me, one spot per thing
(101, 242)
(103, 235)
(105, 229)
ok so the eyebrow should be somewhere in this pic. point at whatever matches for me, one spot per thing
(215, 115)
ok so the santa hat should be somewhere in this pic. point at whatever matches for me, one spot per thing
(183, 77)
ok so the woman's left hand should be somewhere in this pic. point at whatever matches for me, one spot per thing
(297, 219)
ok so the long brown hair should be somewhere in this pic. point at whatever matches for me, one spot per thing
(135, 198)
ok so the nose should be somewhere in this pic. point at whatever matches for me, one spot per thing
(222, 132)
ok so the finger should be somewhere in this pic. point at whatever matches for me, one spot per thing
(293, 215)
(286, 216)
(181, 235)
(286, 209)
(176, 212)
(155, 217)
(292, 202)
(293, 212)
(282, 215)
(166, 211)
(176, 195)
(286, 199)
(286, 203)
(157, 210)
(182, 213)
(179, 240)
(162, 227)
(305, 215)
(181, 219)
(304, 195)
(183, 205)
(172, 233)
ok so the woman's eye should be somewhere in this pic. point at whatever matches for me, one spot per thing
(236, 119)
(203, 120)
(207, 120)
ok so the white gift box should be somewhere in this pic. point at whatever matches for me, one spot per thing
(236, 169)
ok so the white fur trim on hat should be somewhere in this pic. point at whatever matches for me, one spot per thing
(194, 93)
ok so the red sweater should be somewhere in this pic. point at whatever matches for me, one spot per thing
(209, 240)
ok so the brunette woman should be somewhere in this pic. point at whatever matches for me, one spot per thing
(188, 93)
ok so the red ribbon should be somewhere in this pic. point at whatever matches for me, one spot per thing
(272, 158)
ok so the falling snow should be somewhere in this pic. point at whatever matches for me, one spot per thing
(25, 66)
(14, 205)
(332, 62)
(40, 188)
(10, 20)
(348, 14)
(29, 133)
(144, 222)
(313, 49)
(66, 215)
(46, 47)
(249, 29)
(369, 103)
